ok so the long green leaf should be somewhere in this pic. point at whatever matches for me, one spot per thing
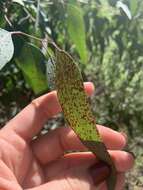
(29, 62)
(76, 29)
(77, 111)
(133, 6)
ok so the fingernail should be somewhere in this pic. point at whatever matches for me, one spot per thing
(92, 87)
(99, 172)
(133, 155)
(124, 135)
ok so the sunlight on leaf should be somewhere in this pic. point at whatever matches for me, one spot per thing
(50, 71)
(6, 47)
(77, 111)
(30, 61)
(105, 10)
(83, 1)
(76, 29)
(133, 6)
(19, 2)
(125, 8)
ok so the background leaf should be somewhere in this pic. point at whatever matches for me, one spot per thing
(29, 62)
(105, 10)
(6, 47)
(50, 72)
(19, 2)
(125, 9)
(76, 29)
(133, 6)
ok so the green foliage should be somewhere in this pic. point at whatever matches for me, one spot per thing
(19, 2)
(117, 68)
(108, 35)
(76, 29)
(134, 6)
(30, 62)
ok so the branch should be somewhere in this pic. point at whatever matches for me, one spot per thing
(49, 40)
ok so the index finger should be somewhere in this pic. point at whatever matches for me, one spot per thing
(32, 118)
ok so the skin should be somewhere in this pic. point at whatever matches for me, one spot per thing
(42, 164)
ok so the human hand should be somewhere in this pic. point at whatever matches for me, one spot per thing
(42, 164)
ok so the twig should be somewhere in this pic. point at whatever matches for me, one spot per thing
(28, 13)
(25, 34)
(49, 40)
(23, 19)
(8, 21)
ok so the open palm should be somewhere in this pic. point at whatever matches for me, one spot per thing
(44, 163)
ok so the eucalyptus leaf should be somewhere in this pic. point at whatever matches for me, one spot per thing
(30, 61)
(6, 47)
(125, 9)
(19, 2)
(50, 71)
(133, 6)
(83, 1)
(77, 111)
(76, 29)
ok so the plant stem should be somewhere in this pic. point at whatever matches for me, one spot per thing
(25, 34)
(50, 41)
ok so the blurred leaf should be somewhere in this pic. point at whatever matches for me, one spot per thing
(29, 62)
(19, 2)
(106, 11)
(133, 6)
(76, 29)
(50, 72)
(6, 47)
(83, 1)
(125, 9)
